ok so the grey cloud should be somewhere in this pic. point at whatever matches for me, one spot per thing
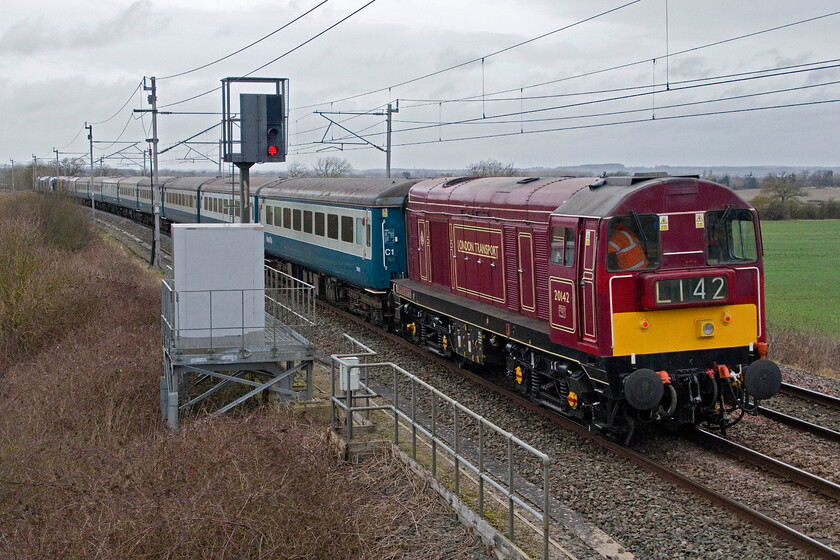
(33, 35)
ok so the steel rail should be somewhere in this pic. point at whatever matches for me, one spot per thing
(816, 396)
(799, 540)
(797, 475)
(800, 424)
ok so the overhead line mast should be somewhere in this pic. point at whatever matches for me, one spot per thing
(155, 179)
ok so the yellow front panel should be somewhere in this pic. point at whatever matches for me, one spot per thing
(676, 330)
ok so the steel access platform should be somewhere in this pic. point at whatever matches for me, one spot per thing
(255, 346)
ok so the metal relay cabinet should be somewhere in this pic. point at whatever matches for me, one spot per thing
(220, 284)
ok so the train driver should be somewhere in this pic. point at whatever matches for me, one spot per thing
(625, 251)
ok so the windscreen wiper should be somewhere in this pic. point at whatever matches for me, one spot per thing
(723, 216)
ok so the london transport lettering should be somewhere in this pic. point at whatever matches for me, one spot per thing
(478, 249)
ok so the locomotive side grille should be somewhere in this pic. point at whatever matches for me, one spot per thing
(541, 271)
(511, 268)
(414, 256)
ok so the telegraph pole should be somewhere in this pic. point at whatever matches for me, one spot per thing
(57, 172)
(92, 199)
(154, 163)
(35, 173)
(13, 173)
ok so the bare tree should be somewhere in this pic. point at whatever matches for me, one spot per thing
(297, 169)
(782, 187)
(332, 166)
(491, 168)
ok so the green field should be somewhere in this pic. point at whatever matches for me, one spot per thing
(802, 283)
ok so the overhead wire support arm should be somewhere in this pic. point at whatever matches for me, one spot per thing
(208, 129)
(388, 114)
(344, 128)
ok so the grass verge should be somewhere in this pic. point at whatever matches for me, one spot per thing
(87, 471)
(800, 262)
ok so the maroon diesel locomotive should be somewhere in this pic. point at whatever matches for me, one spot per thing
(613, 300)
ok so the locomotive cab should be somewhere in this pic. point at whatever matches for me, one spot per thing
(678, 278)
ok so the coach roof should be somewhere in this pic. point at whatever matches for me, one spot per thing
(368, 192)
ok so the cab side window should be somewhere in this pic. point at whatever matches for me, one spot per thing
(562, 246)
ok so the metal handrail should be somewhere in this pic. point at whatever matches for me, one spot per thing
(346, 403)
(287, 302)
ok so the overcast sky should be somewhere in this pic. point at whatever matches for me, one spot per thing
(550, 102)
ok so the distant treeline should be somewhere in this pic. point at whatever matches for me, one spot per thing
(782, 193)
(818, 179)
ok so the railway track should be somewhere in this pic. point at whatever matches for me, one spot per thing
(750, 515)
(808, 394)
(829, 402)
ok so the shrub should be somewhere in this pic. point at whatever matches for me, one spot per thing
(804, 350)
(38, 299)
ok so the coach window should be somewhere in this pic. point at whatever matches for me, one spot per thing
(297, 220)
(368, 232)
(269, 216)
(633, 243)
(730, 236)
(319, 223)
(287, 218)
(307, 221)
(332, 226)
(347, 229)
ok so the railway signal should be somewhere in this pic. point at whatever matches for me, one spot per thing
(263, 130)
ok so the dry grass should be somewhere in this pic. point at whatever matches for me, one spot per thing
(87, 471)
(807, 351)
(40, 269)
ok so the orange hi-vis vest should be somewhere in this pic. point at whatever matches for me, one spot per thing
(628, 251)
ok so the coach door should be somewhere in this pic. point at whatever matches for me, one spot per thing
(562, 280)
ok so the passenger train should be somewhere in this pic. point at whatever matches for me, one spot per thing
(614, 301)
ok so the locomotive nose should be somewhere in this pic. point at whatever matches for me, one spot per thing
(643, 389)
(763, 379)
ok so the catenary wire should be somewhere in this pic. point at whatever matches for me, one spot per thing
(602, 70)
(669, 55)
(491, 119)
(127, 101)
(609, 69)
(472, 61)
(276, 59)
(598, 125)
(634, 121)
(470, 99)
(281, 28)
